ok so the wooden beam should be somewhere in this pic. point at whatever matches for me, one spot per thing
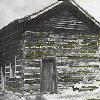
(2, 80)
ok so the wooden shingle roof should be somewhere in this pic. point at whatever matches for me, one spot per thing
(50, 11)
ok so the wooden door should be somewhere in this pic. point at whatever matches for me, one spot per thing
(48, 76)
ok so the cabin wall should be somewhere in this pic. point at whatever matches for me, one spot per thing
(72, 42)
(76, 55)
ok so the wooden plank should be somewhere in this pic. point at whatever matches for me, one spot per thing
(48, 77)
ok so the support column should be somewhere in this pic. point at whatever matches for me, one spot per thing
(5, 77)
(15, 66)
(11, 73)
(2, 80)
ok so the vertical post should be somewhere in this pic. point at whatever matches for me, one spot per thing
(22, 80)
(11, 73)
(99, 55)
(2, 80)
(15, 67)
(55, 76)
(5, 78)
(22, 69)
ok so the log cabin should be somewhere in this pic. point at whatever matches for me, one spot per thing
(58, 44)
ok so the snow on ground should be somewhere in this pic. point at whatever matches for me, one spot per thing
(67, 94)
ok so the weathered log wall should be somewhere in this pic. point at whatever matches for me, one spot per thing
(57, 33)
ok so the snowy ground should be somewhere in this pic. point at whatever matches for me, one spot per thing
(64, 95)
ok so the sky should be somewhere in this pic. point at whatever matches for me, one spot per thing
(16, 9)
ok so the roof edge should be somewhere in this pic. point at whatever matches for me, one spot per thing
(86, 13)
(34, 15)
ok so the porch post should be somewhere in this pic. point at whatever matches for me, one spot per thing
(11, 73)
(15, 66)
(2, 80)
